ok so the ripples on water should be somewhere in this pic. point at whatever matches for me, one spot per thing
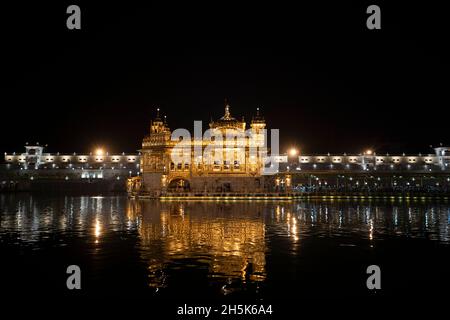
(214, 248)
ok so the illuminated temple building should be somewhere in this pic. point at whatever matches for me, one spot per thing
(239, 171)
(229, 159)
(229, 167)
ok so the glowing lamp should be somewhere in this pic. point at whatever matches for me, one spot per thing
(293, 152)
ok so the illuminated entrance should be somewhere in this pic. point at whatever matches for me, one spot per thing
(179, 185)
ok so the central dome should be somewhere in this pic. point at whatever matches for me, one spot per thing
(227, 121)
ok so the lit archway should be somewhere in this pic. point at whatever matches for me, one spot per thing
(179, 185)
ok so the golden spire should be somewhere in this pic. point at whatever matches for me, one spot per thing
(157, 115)
(227, 115)
(227, 112)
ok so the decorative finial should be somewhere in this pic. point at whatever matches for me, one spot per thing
(257, 111)
(227, 111)
(157, 112)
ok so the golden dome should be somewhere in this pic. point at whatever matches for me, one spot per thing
(227, 121)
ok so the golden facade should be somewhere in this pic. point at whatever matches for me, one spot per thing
(228, 158)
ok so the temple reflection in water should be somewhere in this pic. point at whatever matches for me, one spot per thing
(233, 240)
(229, 241)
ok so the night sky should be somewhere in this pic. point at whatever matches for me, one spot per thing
(317, 73)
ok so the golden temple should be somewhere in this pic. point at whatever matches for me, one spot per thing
(227, 158)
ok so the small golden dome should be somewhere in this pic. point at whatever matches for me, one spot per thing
(227, 121)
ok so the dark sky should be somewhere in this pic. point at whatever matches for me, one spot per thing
(320, 76)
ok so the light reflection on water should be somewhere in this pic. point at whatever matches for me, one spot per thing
(230, 241)
(229, 238)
